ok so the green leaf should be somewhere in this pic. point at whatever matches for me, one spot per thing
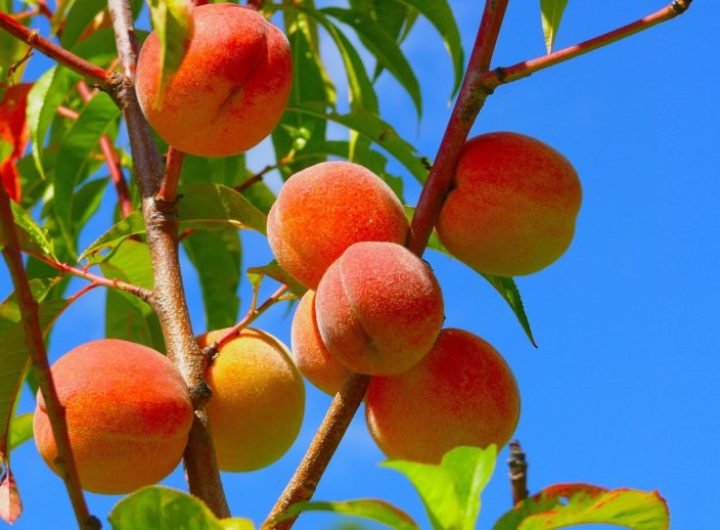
(86, 202)
(33, 239)
(276, 272)
(173, 25)
(552, 12)
(162, 508)
(375, 129)
(45, 96)
(440, 15)
(372, 509)
(217, 259)
(126, 316)
(202, 207)
(451, 490)
(383, 47)
(14, 358)
(77, 147)
(565, 505)
(21, 430)
(79, 16)
(12, 50)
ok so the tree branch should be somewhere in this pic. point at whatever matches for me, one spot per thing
(161, 222)
(173, 166)
(38, 355)
(346, 402)
(518, 472)
(135, 290)
(248, 319)
(508, 74)
(52, 50)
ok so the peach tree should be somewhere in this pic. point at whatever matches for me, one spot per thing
(166, 99)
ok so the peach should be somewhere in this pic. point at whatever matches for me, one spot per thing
(379, 308)
(231, 88)
(324, 209)
(258, 400)
(128, 414)
(513, 205)
(461, 393)
(313, 358)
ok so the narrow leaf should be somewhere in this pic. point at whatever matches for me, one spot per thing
(43, 100)
(217, 259)
(79, 16)
(565, 505)
(162, 508)
(440, 15)
(384, 48)
(21, 430)
(276, 272)
(173, 26)
(551, 12)
(33, 239)
(76, 149)
(375, 129)
(372, 509)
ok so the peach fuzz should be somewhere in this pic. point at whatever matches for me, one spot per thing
(379, 308)
(461, 393)
(128, 414)
(325, 208)
(513, 205)
(231, 88)
(313, 359)
(258, 400)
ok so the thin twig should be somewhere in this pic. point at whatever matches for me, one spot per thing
(161, 223)
(52, 50)
(346, 402)
(35, 344)
(518, 472)
(173, 166)
(111, 160)
(248, 319)
(508, 74)
(140, 292)
(81, 292)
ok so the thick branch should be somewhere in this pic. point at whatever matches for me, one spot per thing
(161, 224)
(504, 75)
(346, 402)
(38, 355)
(52, 50)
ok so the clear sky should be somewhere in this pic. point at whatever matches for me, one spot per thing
(625, 387)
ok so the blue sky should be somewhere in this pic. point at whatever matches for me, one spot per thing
(623, 391)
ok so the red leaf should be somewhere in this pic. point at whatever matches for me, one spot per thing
(10, 503)
(14, 130)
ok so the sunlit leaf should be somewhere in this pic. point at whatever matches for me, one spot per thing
(566, 505)
(551, 12)
(276, 272)
(162, 508)
(375, 129)
(21, 430)
(76, 148)
(383, 47)
(372, 509)
(172, 24)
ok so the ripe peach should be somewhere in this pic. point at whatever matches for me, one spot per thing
(231, 88)
(258, 400)
(461, 393)
(324, 209)
(313, 359)
(128, 415)
(379, 308)
(513, 206)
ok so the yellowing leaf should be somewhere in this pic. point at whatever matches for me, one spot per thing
(552, 12)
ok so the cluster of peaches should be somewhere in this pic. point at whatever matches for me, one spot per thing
(372, 306)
